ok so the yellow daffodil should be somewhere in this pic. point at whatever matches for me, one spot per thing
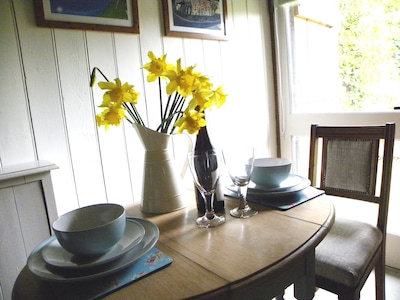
(201, 100)
(188, 95)
(191, 121)
(184, 81)
(218, 98)
(156, 67)
(110, 116)
(204, 82)
(118, 93)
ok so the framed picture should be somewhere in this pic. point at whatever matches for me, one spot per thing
(195, 18)
(105, 15)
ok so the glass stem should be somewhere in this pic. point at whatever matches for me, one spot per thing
(209, 199)
(242, 191)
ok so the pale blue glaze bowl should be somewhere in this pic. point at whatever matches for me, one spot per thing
(91, 230)
(270, 172)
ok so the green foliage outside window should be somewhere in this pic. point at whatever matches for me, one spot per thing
(369, 54)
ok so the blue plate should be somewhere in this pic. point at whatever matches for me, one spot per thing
(54, 254)
(38, 266)
(292, 184)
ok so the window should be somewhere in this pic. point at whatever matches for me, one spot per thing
(338, 63)
(346, 55)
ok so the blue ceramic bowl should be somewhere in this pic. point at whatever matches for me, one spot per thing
(270, 172)
(91, 230)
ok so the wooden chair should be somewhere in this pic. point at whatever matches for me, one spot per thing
(347, 166)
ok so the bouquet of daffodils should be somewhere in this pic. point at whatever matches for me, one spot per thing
(188, 95)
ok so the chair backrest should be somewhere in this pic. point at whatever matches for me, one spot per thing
(347, 163)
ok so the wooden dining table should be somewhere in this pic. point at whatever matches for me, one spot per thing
(253, 258)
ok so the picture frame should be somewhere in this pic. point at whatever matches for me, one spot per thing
(106, 15)
(203, 19)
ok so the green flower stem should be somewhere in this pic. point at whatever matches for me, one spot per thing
(102, 74)
(178, 113)
(172, 108)
(170, 112)
(164, 126)
(173, 111)
(161, 104)
(166, 108)
(132, 111)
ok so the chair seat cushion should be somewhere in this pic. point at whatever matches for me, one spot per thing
(345, 252)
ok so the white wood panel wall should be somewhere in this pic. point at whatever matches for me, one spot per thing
(47, 108)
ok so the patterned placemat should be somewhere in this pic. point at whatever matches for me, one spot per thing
(151, 262)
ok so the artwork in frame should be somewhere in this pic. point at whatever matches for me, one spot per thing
(104, 15)
(205, 19)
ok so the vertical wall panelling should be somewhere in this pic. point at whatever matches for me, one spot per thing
(193, 54)
(236, 73)
(16, 140)
(129, 63)
(213, 66)
(79, 115)
(270, 141)
(256, 57)
(45, 101)
(113, 148)
(245, 76)
(212, 60)
(151, 40)
(174, 48)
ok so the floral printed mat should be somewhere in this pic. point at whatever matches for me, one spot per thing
(152, 261)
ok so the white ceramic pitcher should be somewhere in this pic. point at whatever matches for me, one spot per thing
(162, 186)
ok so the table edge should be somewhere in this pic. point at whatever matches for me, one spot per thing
(301, 252)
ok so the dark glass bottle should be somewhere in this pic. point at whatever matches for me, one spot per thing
(204, 145)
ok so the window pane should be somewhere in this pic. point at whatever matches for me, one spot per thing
(349, 61)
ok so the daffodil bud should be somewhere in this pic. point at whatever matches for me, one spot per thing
(93, 77)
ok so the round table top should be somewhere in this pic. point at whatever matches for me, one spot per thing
(214, 262)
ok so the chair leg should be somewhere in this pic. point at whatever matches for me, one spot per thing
(380, 279)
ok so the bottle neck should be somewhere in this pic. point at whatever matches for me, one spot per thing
(203, 143)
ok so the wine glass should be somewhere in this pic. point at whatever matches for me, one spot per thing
(240, 163)
(206, 173)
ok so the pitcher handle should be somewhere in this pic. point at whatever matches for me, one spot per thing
(189, 149)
